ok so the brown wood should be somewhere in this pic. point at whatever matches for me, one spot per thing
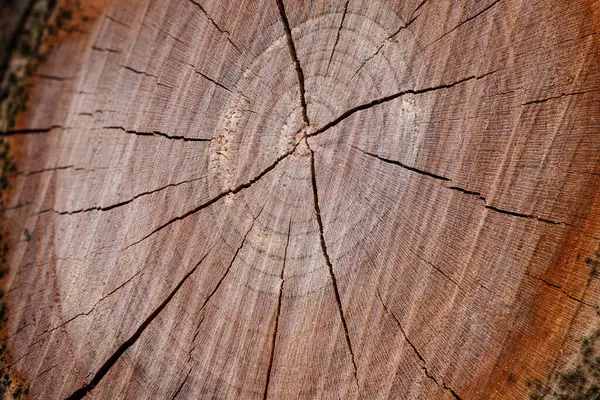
(293, 199)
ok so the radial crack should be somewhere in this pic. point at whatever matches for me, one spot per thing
(465, 191)
(369, 59)
(125, 202)
(414, 348)
(452, 392)
(464, 22)
(54, 77)
(407, 167)
(157, 133)
(439, 270)
(563, 291)
(139, 72)
(218, 197)
(41, 171)
(116, 21)
(231, 263)
(294, 55)
(389, 39)
(216, 288)
(31, 131)
(528, 216)
(391, 97)
(390, 313)
(208, 78)
(112, 360)
(182, 384)
(222, 31)
(419, 7)
(337, 36)
(328, 260)
(273, 342)
(557, 97)
(109, 50)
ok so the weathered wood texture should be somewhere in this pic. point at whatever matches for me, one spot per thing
(328, 199)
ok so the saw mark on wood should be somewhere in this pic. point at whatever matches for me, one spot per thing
(112, 360)
(468, 192)
(294, 55)
(278, 312)
(328, 260)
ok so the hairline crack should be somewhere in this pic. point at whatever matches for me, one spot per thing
(112, 360)
(280, 296)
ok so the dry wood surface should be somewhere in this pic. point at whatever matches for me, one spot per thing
(286, 199)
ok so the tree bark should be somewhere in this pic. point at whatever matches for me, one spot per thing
(281, 199)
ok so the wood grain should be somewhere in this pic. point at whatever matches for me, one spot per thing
(309, 199)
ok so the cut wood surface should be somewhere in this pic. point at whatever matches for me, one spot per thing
(285, 199)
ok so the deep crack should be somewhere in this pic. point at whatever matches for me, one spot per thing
(157, 133)
(465, 191)
(294, 55)
(328, 260)
(391, 97)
